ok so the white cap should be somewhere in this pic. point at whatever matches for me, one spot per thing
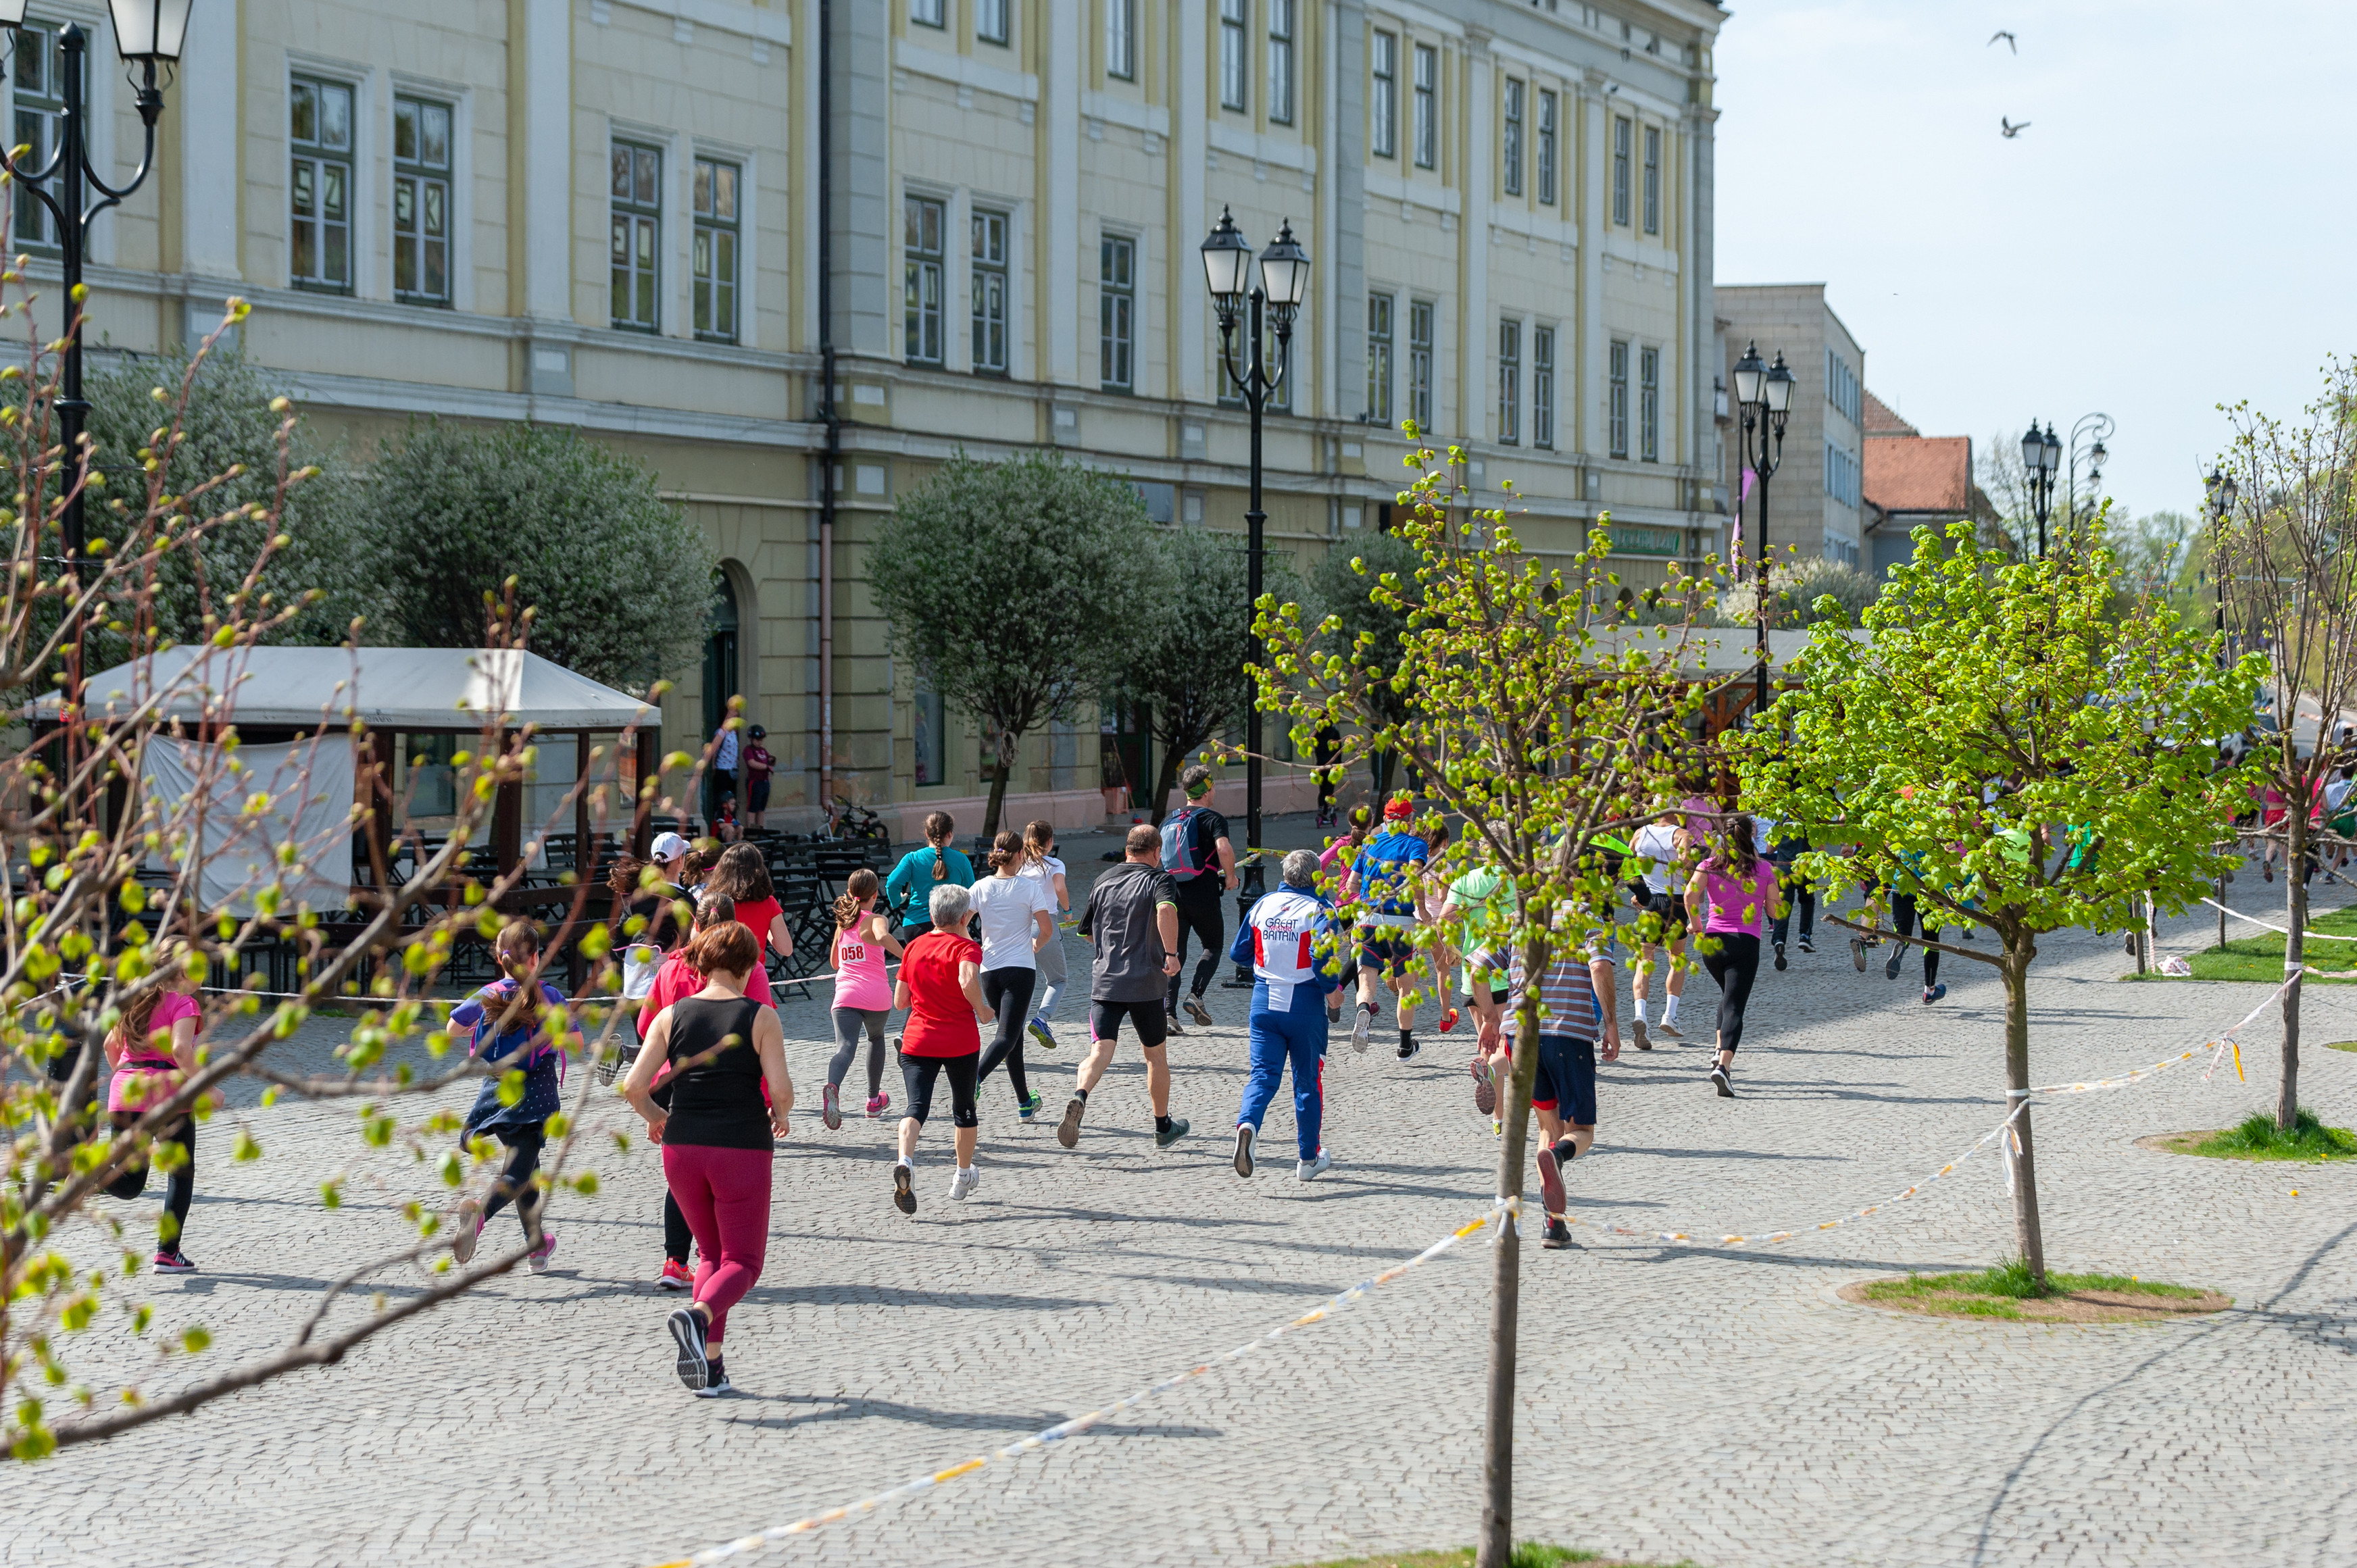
(668, 846)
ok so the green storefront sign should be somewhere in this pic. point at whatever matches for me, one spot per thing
(1648, 541)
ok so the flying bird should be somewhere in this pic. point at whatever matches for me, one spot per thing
(2009, 128)
(2009, 43)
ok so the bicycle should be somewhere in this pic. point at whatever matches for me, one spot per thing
(856, 823)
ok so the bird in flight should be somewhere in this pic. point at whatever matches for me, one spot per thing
(2009, 128)
(2009, 43)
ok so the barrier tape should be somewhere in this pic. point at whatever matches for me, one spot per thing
(1506, 1207)
(2309, 935)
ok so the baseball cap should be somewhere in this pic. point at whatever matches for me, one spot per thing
(668, 846)
(1399, 810)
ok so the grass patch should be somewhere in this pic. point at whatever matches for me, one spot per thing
(2342, 1046)
(2006, 1293)
(2258, 1138)
(1529, 1555)
(2260, 957)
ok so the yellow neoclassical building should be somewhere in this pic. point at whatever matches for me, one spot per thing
(663, 221)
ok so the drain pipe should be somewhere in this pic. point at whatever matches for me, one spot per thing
(826, 409)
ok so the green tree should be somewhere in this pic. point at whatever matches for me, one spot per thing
(1343, 596)
(1530, 701)
(2004, 746)
(616, 576)
(1016, 589)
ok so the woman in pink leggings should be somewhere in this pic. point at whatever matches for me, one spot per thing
(723, 1048)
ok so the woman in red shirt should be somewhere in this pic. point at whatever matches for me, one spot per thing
(744, 876)
(940, 984)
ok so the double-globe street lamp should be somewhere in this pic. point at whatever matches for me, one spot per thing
(2219, 488)
(1763, 393)
(2041, 461)
(1283, 283)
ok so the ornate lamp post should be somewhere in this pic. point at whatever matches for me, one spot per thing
(1764, 396)
(2096, 428)
(1283, 283)
(2041, 459)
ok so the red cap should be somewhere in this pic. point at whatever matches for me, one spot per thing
(1399, 809)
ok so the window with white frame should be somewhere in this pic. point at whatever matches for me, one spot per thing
(1615, 408)
(1653, 179)
(922, 220)
(990, 299)
(1547, 147)
(1842, 388)
(1428, 106)
(1510, 146)
(421, 200)
(928, 13)
(319, 186)
(1120, 38)
(1379, 360)
(1280, 61)
(1420, 314)
(990, 21)
(1117, 313)
(637, 236)
(40, 93)
(1383, 103)
(1234, 53)
(1510, 382)
(1620, 134)
(1648, 405)
(1543, 387)
(715, 254)
(1841, 475)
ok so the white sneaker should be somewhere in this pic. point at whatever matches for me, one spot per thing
(962, 1184)
(1362, 1029)
(1246, 1134)
(1310, 1170)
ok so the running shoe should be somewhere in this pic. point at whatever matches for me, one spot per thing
(1808, 944)
(1485, 1087)
(830, 1107)
(1068, 1131)
(1718, 1080)
(1934, 994)
(1551, 1190)
(686, 1325)
(1408, 1046)
(1333, 1012)
(537, 1258)
(2267, 869)
(1558, 1238)
(1044, 1035)
(1170, 1024)
(877, 1105)
(1246, 1134)
(1165, 1136)
(172, 1261)
(467, 1230)
(962, 1184)
(1890, 967)
(1857, 952)
(904, 1188)
(1779, 957)
(1197, 1011)
(2127, 939)
(674, 1277)
(1669, 1026)
(715, 1385)
(1310, 1170)
(1448, 1020)
(1362, 1029)
(1643, 1041)
(1027, 1109)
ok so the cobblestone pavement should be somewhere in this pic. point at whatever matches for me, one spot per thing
(1676, 1401)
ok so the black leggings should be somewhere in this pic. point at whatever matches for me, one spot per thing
(1200, 916)
(1795, 893)
(1009, 991)
(179, 1183)
(1902, 920)
(917, 1075)
(677, 1237)
(1735, 966)
(514, 1184)
(847, 1022)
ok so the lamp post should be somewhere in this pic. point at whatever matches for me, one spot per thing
(1764, 396)
(1284, 282)
(2096, 428)
(2219, 489)
(2041, 458)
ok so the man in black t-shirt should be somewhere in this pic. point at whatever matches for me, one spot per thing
(1201, 847)
(1132, 920)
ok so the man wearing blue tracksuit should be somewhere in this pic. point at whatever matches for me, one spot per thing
(1290, 942)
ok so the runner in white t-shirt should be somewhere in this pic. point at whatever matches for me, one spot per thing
(1662, 849)
(1018, 915)
(1040, 846)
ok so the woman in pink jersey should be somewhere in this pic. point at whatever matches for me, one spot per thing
(1740, 884)
(862, 992)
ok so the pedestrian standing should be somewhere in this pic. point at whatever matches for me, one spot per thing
(1040, 844)
(152, 1051)
(726, 1053)
(1740, 886)
(862, 992)
(1132, 920)
(922, 870)
(1201, 864)
(505, 1026)
(759, 764)
(1290, 940)
(720, 784)
(941, 986)
(1017, 915)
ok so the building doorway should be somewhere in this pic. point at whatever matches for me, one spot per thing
(722, 680)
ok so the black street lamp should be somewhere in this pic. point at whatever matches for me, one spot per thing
(1284, 282)
(1764, 396)
(2219, 488)
(148, 33)
(2041, 460)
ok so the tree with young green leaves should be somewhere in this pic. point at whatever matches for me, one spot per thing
(1342, 590)
(1532, 703)
(1015, 590)
(2007, 748)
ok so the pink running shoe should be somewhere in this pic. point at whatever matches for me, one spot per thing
(538, 1257)
(878, 1106)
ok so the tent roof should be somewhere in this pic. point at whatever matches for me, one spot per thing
(384, 688)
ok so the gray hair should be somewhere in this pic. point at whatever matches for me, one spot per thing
(1301, 868)
(1194, 775)
(949, 906)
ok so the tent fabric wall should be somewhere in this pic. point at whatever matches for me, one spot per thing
(307, 788)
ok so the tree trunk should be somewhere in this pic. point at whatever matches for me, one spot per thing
(2019, 1153)
(1497, 1538)
(1166, 778)
(2295, 956)
(1006, 747)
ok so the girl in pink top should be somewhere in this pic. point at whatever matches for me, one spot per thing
(862, 992)
(151, 1051)
(1740, 884)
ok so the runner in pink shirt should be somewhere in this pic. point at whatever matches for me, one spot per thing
(1740, 884)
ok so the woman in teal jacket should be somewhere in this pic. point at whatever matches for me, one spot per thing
(921, 869)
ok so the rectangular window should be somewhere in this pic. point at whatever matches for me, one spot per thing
(1419, 364)
(40, 102)
(922, 221)
(1233, 53)
(1121, 39)
(638, 234)
(990, 21)
(421, 201)
(1547, 148)
(1653, 179)
(1286, 358)
(1648, 404)
(1427, 107)
(1382, 103)
(1280, 63)
(1510, 148)
(1616, 412)
(990, 294)
(1379, 360)
(1543, 387)
(928, 13)
(1116, 313)
(320, 192)
(1510, 382)
(713, 256)
(929, 739)
(1620, 170)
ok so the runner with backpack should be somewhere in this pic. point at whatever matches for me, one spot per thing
(504, 1025)
(1197, 857)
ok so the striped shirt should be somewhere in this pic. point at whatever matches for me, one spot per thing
(1567, 1004)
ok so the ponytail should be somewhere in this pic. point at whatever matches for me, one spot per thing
(939, 827)
(857, 892)
(1039, 838)
(1008, 852)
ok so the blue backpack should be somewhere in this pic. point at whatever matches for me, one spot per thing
(1178, 845)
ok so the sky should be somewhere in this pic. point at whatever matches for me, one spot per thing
(2173, 232)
